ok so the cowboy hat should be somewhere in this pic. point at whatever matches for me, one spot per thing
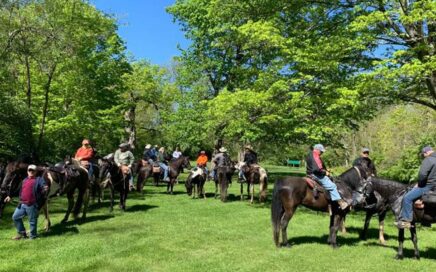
(148, 146)
(223, 149)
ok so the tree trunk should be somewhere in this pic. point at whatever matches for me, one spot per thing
(45, 107)
(130, 118)
(28, 83)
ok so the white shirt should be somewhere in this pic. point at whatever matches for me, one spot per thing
(177, 154)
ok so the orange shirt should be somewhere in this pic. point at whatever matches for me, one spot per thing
(85, 153)
(202, 160)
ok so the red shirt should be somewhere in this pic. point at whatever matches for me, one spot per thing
(317, 157)
(27, 195)
(85, 153)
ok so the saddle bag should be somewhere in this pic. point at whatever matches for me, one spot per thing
(156, 169)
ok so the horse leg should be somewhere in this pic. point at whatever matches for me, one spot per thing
(335, 221)
(242, 191)
(287, 215)
(252, 192)
(112, 196)
(139, 182)
(70, 196)
(216, 189)
(47, 217)
(381, 227)
(85, 203)
(414, 240)
(400, 244)
(78, 205)
(342, 225)
(368, 216)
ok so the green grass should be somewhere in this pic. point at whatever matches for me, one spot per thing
(159, 232)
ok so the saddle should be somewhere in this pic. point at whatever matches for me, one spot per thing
(156, 168)
(317, 188)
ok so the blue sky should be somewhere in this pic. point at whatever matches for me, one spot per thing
(147, 29)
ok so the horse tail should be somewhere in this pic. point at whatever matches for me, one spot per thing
(276, 211)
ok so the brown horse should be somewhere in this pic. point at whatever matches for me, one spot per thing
(175, 167)
(114, 178)
(143, 172)
(291, 192)
(223, 178)
(254, 174)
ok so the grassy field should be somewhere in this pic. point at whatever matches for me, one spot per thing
(159, 232)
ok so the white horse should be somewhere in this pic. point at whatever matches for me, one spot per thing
(263, 182)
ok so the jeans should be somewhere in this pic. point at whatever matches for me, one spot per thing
(90, 170)
(21, 211)
(165, 168)
(406, 213)
(330, 187)
(241, 175)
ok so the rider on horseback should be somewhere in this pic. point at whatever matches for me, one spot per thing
(250, 157)
(316, 170)
(221, 159)
(149, 155)
(365, 160)
(202, 161)
(84, 154)
(124, 160)
(426, 182)
(161, 160)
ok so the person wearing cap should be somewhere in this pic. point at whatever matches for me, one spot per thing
(364, 160)
(426, 182)
(202, 161)
(161, 160)
(316, 170)
(250, 157)
(148, 154)
(177, 153)
(221, 159)
(124, 160)
(32, 191)
(84, 154)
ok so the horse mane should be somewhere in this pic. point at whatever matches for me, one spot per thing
(388, 188)
(349, 177)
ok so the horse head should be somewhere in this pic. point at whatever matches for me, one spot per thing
(185, 162)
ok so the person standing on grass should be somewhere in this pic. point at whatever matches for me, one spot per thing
(32, 190)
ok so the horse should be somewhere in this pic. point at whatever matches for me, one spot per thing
(69, 178)
(382, 193)
(114, 178)
(393, 193)
(290, 192)
(143, 171)
(195, 181)
(174, 168)
(223, 177)
(254, 174)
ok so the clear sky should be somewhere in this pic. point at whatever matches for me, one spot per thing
(147, 29)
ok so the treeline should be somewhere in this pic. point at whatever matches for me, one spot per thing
(280, 75)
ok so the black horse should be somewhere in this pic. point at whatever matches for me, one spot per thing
(290, 192)
(195, 182)
(175, 167)
(382, 194)
(111, 176)
(392, 193)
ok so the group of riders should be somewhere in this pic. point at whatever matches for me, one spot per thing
(33, 187)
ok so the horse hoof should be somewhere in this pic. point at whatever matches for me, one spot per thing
(416, 257)
(286, 245)
(64, 220)
(399, 257)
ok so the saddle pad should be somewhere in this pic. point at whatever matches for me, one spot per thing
(156, 169)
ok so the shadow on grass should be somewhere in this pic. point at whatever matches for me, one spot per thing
(70, 226)
(426, 253)
(322, 240)
(140, 207)
(371, 233)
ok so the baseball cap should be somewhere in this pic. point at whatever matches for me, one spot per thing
(426, 149)
(31, 167)
(320, 147)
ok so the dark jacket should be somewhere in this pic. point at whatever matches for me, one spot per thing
(38, 191)
(427, 172)
(250, 157)
(365, 162)
(149, 155)
(221, 159)
(312, 167)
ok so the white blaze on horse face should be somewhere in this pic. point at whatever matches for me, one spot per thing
(50, 177)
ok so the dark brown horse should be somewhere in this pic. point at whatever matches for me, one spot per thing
(195, 182)
(290, 192)
(392, 193)
(143, 172)
(113, 178)
(254, 174)
(175, 167)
